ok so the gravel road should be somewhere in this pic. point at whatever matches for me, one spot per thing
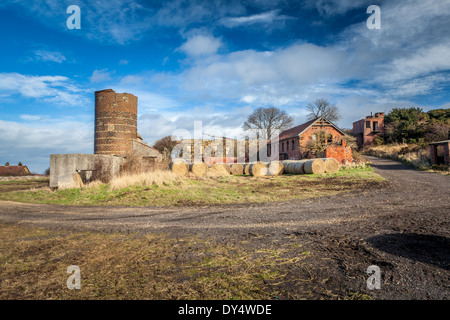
(403, 228)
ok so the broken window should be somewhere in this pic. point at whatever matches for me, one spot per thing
(367, 124)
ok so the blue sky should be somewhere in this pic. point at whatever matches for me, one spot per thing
(209, 61)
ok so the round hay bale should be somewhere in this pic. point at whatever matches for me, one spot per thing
(275, 168)
(298, 167)
(219, 169)
(179, 167)
(258, 169)
(289, 169)
(198, 169)
(237, 168)
(286, 162)
(247, 167)
(314, 166)
(331, 165)
(227, 167)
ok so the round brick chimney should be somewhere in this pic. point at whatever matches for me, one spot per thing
(115, 122)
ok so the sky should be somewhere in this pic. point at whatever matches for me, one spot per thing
(210, 61)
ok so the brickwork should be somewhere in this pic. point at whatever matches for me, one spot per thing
(366, 130)
(298, 147)
(441, 156)
(341, 153)
(115, 122)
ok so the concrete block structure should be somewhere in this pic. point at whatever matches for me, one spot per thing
(366, 130)
(63, 166)
(440, 152)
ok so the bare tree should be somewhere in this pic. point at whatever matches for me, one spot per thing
(165, 143)
(264, 122)
(322, 108)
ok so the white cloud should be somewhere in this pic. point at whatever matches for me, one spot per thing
(49, 56)
(260, 18)
(277, 77)
(30, 117)
(56, 89)
(24, 141)
(100, 76)
(201, 45)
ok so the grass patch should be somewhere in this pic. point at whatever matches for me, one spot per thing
(207, 191)
(33, 265)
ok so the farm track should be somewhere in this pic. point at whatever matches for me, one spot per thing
(403, 228)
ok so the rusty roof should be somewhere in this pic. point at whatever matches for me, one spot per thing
(12, 170)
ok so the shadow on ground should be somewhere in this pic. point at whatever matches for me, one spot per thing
(430, 249)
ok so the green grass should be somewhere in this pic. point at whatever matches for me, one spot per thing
(208, 191)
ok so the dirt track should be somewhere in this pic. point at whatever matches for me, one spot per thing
(403, 229)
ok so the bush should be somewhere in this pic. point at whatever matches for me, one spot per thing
(378, 141)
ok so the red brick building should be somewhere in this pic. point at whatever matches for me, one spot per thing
(8, 170)
(368, 129)
(298, 142)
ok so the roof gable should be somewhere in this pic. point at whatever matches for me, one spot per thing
(298, 130)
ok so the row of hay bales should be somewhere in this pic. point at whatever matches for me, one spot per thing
(311, 166)
(273, 168)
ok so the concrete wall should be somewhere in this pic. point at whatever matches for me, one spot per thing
(145, 151)
(64, 165)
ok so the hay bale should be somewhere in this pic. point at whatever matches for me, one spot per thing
(198, 169)
(237, 168)
(331, 165)
(247, 167)
(289, 169)
(258, 169)
(299, 168)
(286, 162)
(314, 166)
(275, 168)
(219, 170)
(227, 167)
(179, 167)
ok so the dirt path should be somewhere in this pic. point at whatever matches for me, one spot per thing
(404, 229)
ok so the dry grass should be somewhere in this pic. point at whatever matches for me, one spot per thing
(411, 154)
(145, 179)
(33, 265)
(163, 188)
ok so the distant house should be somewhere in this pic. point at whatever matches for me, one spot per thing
(298, 142)
(366, 130)
(8, 170)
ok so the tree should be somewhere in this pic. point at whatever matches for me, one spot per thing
(264, 122)
(165, 142)
(322, 108)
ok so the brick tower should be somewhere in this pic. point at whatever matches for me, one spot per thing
(115, 122)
